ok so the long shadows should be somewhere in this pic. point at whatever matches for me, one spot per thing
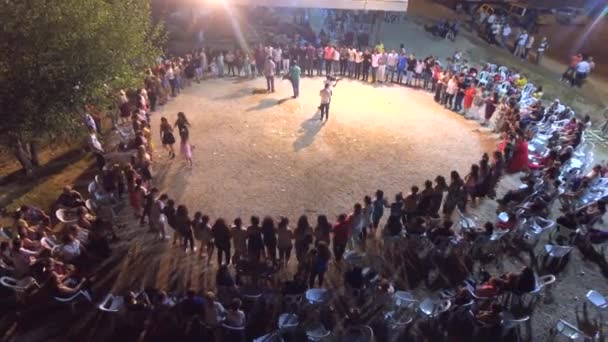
(308, 132)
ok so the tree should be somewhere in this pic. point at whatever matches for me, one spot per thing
(55, 56)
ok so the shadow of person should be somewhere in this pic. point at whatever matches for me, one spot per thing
(265, 103)
(308, 131)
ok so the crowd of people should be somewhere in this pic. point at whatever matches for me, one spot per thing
(250, 253)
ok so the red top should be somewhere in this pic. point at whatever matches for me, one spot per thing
(341, 231)
(469, 94)
(574, 60)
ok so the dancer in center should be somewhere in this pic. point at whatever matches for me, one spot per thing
(326, 94)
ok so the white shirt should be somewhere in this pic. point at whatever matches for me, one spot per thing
(336, 55)
(522, 39)
(375, 59)
(352, 53)
(491, 19)
(170, 73)
(277, 55)
(392, 60)
(71, 250)
(452, 87)
(583, 67)
(94, 143)
(89, 121)
(325, 96)
(359, 57)
(506, 31)
(530, 42)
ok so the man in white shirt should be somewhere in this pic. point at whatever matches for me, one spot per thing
(335, 63)
(520, 44)
(352, 56)
(583, 68)
(391, 65)
(506, 32)
(358, 62)
(529, 44)
(325, 95)
(96, 148)
(375, 60)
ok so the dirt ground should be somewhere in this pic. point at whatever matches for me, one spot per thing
(256, 154)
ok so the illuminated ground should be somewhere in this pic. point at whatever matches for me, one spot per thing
(256, 155)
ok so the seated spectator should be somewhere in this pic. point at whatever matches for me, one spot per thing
(235, 317)
(214, 312)
(444, 230)
(393, 226)
(517, 196)
(296, 286)
(34, 216)
(61, 282)
(23, 259)
(510, 223)
(136, 303)
(193, 304)
(5, 253)
(490, 317)
(354, 279)
(70, 249)
(586, 215)
(416, 226)
(69, 199)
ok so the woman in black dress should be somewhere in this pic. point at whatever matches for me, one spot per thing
(183, 225)
(255, 244)
(456, 194)
(166, 136)
(221, 237)
(270, 238)
(437, 196)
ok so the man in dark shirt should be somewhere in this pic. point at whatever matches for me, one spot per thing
(69, 199)
(367, 62)
(310, 57)
(192, 304)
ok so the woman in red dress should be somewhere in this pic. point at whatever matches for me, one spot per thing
(519, 160)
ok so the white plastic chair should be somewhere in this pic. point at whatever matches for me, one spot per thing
(271, 337)
(483, 78)
(597, 299)
(503, 68)
(73, 299)
(528, 102)
(571, 332)
(404, 299)
(6, 269)
(316, 296)
(19, 285)
(359, 333)
(503, 88)
(467, 221)
(288, 321)
(527, 91)
(317, 332)
(557, 252)
(111, 303)
(63, 216)
(433, 308)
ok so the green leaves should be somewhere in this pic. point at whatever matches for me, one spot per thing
(55, 56)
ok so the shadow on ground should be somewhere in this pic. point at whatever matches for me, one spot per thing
(308, 131)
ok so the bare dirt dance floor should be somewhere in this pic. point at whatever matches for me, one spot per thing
(270, 154)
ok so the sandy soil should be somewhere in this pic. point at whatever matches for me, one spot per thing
(257, 154)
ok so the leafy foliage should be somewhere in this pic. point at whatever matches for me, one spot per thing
(55, 56)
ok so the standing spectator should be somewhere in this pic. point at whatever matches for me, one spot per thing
(295, 73)
(270, 238)
(401, 64)
(311, 55)
(469, 95)
(529, 45)
(411, 69)
(319, 264)
(377, 210)
(358, 63)
(382, 67)
(340, 230)
(367, 63)
(285, 59)
(569, 73)
(322, 230)
(504, 37)
(303, 236)
(239, 240)
(183, 225)
(375, 63)
(540, 51)
(255, 243)
(391, 65)
(325, 95)
(285, 237)
(269, 69)
(335, 61)
(352, 57)
(520, 44)
(328, 57)
(221, 237)
(277, 57)
(583, 68)
(157, 218)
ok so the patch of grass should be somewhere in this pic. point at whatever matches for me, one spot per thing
(44, 193)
